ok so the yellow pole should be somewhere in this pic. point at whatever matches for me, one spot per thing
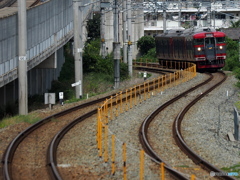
(117, 105)
(111, 110)
(170, 82)
(135, 91)
(131, 96)
(106, 113)
(121, 107)
(154, 82)
(165, 82)
(158, 84)
(126, 100)
(144, 90)
(100, 136)
(192, 177)
(106, 144)
(113, 154)
(124, 162)
(148, 89)
(98, 127)
(162, 171)
(141, 164)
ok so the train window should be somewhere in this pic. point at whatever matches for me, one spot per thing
(220, 39)
(209, 41)
(198, 41)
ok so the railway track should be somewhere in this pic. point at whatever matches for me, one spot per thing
(16, 151)
(149, 143)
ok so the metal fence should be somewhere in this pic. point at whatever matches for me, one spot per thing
(122, 156)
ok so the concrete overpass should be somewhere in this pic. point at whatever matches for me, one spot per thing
(49, 27)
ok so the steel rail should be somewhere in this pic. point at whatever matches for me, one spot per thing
(183, 145)
(9, 152)
(11, 149)
(52, 149)
(144, 130)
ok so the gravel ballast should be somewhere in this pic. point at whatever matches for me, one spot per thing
(205, 129)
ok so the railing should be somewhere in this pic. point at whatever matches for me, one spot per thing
(119, 154)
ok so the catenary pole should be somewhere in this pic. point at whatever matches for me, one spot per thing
(22, 66)
(129, 24)
(179, 13)
(164, 18)
(116, 46)
(103, 44)
(124, 31)
(77, 23)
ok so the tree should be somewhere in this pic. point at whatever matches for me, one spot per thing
(232, 61)
(235, 24)
(93, 27)
(145, 43)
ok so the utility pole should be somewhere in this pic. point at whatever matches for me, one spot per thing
(124, 31)
(214, 19)
(129, 23)
(22, 63)
(116, 48)
(209, 16)
(77, 22)
(164, 18)
(103, 44)
(179, 13)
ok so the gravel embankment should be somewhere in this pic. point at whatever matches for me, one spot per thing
(207, 129)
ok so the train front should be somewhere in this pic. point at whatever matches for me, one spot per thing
(210, 50)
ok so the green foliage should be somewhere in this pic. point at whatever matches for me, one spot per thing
(93, 62)
(234, 168)
(145, 43)
(91, 55)
(232, 60)
(151, 55)
(67, 71)
(7, 121)
(93, 27)
(235, 24)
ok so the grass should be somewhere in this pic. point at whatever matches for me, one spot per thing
(235, 168)
(8, 121)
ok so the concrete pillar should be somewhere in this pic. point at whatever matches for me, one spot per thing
(109, 31)
(130, 36)
(78, 22)
(124, 18)
(120, 27)
(102, 34)
(138, 29)
(22, 51)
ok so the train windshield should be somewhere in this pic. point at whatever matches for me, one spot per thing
(209, 41)
(220, 40)
(198, 41)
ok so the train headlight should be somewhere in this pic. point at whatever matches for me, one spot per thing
(221, 47)
(199, 49)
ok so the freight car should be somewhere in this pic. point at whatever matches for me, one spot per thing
(205, 47)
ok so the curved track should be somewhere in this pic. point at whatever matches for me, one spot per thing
(180, 140)
(8, 158)
(144, 139)
(52, 150)
(12, 148)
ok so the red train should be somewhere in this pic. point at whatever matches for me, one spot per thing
(206, 47)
